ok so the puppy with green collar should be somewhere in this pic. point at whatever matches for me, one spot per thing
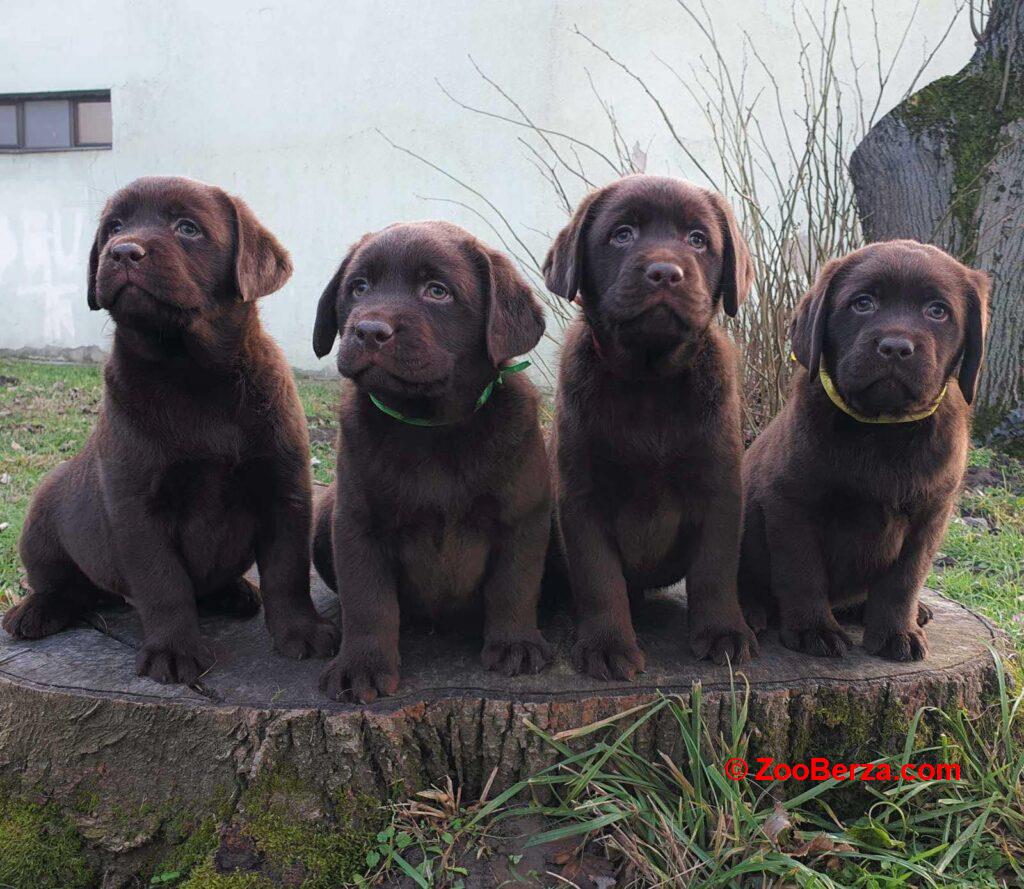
(441, 508)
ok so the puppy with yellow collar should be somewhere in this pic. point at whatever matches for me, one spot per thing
(849, 489)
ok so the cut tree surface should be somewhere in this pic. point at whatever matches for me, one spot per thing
(123, 753)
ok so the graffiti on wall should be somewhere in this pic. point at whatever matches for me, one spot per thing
(42, 273)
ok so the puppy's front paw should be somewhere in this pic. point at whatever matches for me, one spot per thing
(896, 643)
(360, 673)
(736, 644)
(178, 661)
(511, 657)
(304, 637)
(36, 616)
(608, 653)
(821, 641)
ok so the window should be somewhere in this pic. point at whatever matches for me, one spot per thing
(55, 121)
(47, 124)
(8, 126)
(93, 124)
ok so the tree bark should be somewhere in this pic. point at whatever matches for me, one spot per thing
(946, 166)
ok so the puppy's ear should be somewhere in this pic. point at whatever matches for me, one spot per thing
(737, 265)
(94, 261)
(262, 265)
(328, 323)
(563, 266)
(974, 335)
(515, 319)
(807, 329)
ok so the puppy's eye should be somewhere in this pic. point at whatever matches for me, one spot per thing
(697, 240)
(360, 287)
(115, 227)
(937, 311)
(436, 290)
(863, 303)
(623, 235)
(187, 228)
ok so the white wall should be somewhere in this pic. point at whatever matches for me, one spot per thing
(281, 102)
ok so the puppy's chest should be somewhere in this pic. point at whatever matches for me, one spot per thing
(659, 465)
(185, 426)
(210, 487)
(862, 534)
(647, 434)
(442, 553)
(654, 505)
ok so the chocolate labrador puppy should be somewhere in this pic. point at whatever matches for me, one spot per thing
(442, 504)
(850, 487)
(647, 435)
(199, 462)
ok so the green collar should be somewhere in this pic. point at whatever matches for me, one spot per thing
(485, 396)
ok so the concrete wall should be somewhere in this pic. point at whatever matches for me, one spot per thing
(281, 102)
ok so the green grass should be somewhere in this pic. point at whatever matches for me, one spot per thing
(659, 820)
(320, 402)
(681, 821)
(984, 567)
(46, 413)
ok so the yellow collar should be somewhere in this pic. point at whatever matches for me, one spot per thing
(837, 400)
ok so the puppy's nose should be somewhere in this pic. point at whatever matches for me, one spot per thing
(664, 274)
(128, 251)
(374, 333)
(898, 347)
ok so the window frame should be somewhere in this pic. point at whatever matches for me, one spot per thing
(72, 98)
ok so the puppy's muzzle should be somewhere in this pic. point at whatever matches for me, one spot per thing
(663, 274)
(894, 357)
(127, 253)
(372, 333)
(656, 287)
(895, 348)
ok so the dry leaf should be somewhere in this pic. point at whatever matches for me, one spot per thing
(816, 845)
(777, 822)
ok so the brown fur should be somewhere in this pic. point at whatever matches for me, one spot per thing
(843, 515)
(199, 462)
(647, 433)
(445, 523)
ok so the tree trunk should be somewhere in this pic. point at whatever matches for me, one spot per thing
(125, 758)
(946, 166)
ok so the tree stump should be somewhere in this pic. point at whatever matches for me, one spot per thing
(946, 166)
(123, 754)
